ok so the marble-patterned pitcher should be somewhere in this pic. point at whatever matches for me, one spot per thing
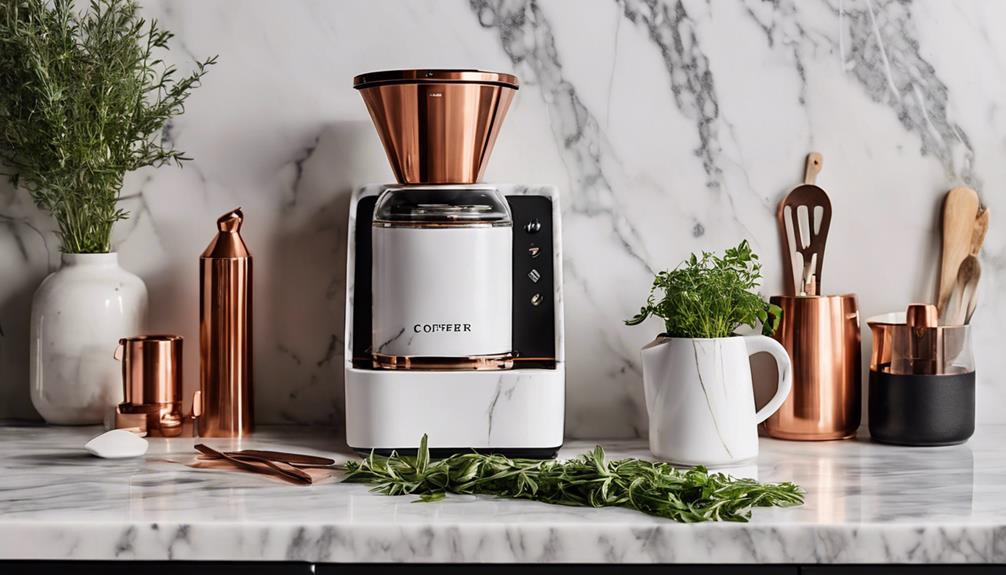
(700, 397)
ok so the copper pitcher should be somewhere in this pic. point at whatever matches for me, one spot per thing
(821, 334)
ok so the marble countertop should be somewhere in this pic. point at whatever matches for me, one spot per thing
(865, 503)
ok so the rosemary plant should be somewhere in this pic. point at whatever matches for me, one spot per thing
(687, 495)
(84, 98)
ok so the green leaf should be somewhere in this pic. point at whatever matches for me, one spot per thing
(423, 455)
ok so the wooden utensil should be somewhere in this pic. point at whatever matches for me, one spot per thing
(804, 230)
(979, 231)
(965, 292)
(960, 226)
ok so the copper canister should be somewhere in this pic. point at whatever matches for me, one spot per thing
(224, 403)
(821, 334)
(151, 384)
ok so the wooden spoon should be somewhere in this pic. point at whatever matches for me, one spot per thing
(978, 233)
(960, 214)
(967, 288)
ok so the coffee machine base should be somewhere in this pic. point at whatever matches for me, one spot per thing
(517, 412)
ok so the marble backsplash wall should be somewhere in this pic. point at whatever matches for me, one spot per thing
(669, 126)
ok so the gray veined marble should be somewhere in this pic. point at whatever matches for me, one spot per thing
(866, 503)
(669, 126)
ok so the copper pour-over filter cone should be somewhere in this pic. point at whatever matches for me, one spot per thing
(437, 126)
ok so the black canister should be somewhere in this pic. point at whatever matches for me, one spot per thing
(922, 409)
(922, 380)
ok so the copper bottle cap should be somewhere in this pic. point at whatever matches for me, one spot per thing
(437, 126)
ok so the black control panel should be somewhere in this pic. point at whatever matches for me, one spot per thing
(363, 293)
(533, 281)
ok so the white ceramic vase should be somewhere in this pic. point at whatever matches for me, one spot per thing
(700, 398)
(78, 315)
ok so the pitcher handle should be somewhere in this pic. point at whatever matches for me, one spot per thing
(758, 344)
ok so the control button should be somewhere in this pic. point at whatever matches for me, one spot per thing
(534, 251)
(533, 227)
(534, 275)
(536, 300)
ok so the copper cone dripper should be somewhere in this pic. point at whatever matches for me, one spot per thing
(437, 126)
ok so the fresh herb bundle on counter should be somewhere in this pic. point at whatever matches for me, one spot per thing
(710, 296)
(686, 495)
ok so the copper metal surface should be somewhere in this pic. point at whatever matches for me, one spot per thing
(225, 333)
(257, 465)
(475, 362)
(371, 79)
(913, 344)
(437, 126)
(804, 218)
(151, 384)
(821, 334)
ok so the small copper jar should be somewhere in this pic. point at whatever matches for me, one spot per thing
(151, 384)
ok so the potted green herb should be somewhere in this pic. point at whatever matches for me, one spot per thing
(84, 99)
(696, 374)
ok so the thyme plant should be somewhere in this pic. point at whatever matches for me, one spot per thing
(85, 97)
(710, 296)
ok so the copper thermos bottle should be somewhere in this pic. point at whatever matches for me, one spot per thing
(223, 405)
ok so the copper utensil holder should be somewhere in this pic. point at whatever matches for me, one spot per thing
(821, 334)
(151, 385)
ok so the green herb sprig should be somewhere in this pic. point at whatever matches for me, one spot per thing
(84, 99)
(711, 296)
(688, 495)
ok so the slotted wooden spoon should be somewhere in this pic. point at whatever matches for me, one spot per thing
(804, 217)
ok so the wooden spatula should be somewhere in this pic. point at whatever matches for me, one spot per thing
(960, 213)
(807, 238)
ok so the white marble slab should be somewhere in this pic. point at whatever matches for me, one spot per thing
(669, 127)
(866, 503)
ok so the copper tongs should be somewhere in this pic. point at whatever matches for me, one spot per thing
(287, 466)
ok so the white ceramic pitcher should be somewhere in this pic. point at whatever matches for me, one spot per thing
(700, 398)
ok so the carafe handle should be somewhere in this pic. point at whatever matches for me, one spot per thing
(758, 344)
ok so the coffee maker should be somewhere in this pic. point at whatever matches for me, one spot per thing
(454, 319)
